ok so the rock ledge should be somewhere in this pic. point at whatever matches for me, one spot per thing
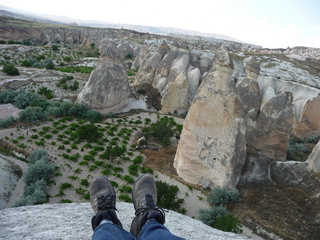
(72, 221)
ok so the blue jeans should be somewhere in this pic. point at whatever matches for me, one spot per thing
(151, 230)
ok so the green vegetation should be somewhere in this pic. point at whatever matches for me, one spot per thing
(218, 216)
(73, 69)
(300, 148)
(163, 130)
(36, 177)
(10, 69)
(167, 197)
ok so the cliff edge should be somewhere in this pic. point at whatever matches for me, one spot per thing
(73, 221)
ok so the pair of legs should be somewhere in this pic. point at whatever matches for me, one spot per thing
(148, 221)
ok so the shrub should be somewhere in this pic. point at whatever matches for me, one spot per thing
(219, 196)
(6, 122)
(146, 170)
(48, 63)
(167, 196)
(88, 157)
(31, 114)
(125, 189)
(209, 216)
(125, 198)
(65, 185)
(10, 69)
(160, 130)
(84, 182)
(26, 63)
(138, 160)
(133, 169)
(228, 223)
(128, 179)
(37, 171)
(39, 154)
(93, 116)
(89, 132)
(24, 98)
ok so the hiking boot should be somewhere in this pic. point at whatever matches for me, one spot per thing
(103, 202)
(144, 196)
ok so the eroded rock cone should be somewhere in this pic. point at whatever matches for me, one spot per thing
(107, 89)
(213, 144)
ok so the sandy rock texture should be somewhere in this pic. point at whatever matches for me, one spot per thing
(72, 221)
(213, 144)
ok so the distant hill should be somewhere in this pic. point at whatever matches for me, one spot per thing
(175, 32)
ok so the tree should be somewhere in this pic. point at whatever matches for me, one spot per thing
(10, 69)
(23, 98)
(48, 63)
(89, 132)
(167, 196)
(55, 47)
(92, 45)
(7, 96)
(6, 122)
(93, 116)
(37, 171)
(31, 114)
(160, 130)
(38, 155)
(26, 63)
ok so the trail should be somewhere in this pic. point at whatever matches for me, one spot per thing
(19, 189)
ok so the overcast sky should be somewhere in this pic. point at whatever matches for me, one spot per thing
(269, 23)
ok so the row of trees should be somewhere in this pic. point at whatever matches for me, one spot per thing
(38, 109)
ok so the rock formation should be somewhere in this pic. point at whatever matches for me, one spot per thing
(273, 127)
(107, 89)
(314, 159)
(176, 94)
(73, 221)
(309, 123)
(213, 144)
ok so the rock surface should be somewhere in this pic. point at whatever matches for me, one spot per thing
(73, 221)
(176, 94)
(108, 88)
(273, 127)
(8, 181)
(213, 144)
(314, 159)
(309, 123)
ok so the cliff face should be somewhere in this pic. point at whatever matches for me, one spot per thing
(73, 221)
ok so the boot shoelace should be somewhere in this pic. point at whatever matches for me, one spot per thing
(150, 206)
(105, 202)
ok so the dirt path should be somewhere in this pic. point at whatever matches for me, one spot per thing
(19, 189)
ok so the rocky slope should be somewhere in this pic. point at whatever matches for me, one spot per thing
(73, 221)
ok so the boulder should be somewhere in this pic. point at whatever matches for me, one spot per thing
(108, 88)
(309, 123)
(314, 159)
(273, 127)
(175, 97)
(213, 144)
